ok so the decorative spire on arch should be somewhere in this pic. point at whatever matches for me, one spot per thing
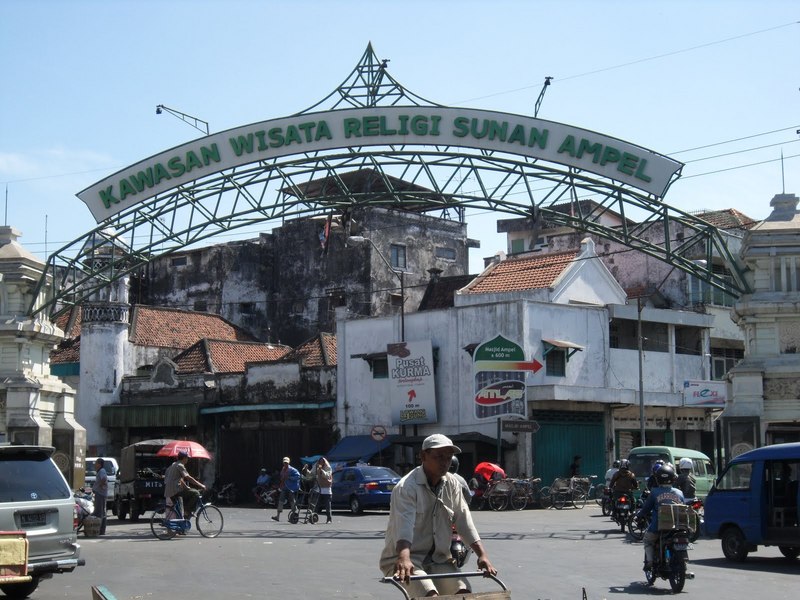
(369, 84)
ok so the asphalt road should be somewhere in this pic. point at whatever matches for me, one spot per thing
(541, 554)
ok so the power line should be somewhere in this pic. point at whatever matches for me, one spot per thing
(635, 62)
(741, 151)
(747, 137)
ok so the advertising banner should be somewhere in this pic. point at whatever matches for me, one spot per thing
(411, 386)
(500, 372)
(705, 394)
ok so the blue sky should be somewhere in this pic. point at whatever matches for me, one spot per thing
(81, 80)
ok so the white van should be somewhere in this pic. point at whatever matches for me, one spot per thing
(112, 469)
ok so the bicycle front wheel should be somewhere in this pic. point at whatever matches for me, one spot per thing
(157, 526)
(498, 501)
(579, 499)
(519, 498)
(599, 493)
(209, 521)
(545, 497)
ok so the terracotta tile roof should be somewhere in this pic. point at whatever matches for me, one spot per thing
(440, 293)
(226, 356)
(174, 328)
(319, 351)
(62, 322)
(522, 273)
(729, 218)
(68, 351)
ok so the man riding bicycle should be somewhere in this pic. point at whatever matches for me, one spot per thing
(177, 488)
(425, 505)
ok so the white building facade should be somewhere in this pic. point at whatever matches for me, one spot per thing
(583, 382)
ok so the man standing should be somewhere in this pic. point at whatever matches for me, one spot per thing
(176, 483)
(425, 505)
(290, 484)
(100, 490)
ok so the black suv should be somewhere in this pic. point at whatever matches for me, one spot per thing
(35, 498)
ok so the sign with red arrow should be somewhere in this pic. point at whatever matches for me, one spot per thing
(500, 372)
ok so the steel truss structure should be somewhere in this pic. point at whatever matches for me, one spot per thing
(440, 179)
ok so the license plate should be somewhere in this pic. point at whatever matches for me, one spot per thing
(680, 546)
(389, 487)
(32, 519)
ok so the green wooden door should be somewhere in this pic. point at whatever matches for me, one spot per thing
(564, 435)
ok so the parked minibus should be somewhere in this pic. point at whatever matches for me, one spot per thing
(755, 502)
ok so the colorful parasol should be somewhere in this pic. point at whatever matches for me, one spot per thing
(193, 449)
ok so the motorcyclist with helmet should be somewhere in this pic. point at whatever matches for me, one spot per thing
(663, 493)
(623, 482)
(686, 482)
(652, 481)
(610, 473)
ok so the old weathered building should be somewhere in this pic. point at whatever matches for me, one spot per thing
(765, 398)
(286, 285)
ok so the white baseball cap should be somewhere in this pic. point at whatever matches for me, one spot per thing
(438, 440)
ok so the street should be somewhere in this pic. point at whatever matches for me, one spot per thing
(540, 554)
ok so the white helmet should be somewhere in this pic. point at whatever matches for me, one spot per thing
(685, 463)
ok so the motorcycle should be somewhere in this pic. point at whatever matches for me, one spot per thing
(638, 527)
(226, 494)
(623, 509)
(671, 551)
(696, 504)
(84, 507)
(458, 549)
(268, 497)
(606, 502)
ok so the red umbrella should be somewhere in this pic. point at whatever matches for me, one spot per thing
(193, 449)
(488, 469)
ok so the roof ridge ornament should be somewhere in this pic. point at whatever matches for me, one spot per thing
(369, 84)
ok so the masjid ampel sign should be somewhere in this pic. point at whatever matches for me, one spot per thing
(382, 126)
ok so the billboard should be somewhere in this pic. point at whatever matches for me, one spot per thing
(500, 371)
(705, 394)
(411, 387)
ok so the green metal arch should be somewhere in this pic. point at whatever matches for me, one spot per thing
(445, 179)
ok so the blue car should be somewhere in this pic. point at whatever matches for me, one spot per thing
(363, 487)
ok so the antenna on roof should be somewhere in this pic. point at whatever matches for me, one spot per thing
(541, 97)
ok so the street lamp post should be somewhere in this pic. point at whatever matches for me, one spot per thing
(357, 239)
(642, 441)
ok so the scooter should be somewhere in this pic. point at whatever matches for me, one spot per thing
(84, 507)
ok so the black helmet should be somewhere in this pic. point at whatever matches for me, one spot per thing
(666, 474)
(624, 464)
(616, 464)
(453, 465)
